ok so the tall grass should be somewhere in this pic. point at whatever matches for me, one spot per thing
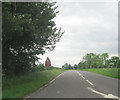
(111, 72)
(18, 87)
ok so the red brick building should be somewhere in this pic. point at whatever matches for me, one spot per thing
(47, 62)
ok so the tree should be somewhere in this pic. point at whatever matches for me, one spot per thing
(63, 66)
(109, 63)
(92, 60)
(104, 56)
(75, 66)
(28, 30)
(69, 66)
(41, 67)
(118, 63)
(97, 61)
(115, 61)
(66, 66)
(88, 59)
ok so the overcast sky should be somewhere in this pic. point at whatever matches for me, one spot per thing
(90, 27)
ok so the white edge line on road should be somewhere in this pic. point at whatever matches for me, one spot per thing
(89, 82)
(28, 97)
(52, 80)
(104, 95)
(56, 78)
(42, 87)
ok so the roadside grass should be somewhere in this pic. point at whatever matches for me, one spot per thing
(111, 72)
(18, 87)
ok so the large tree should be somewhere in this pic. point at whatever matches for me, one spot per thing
(104, 57)
(115, 61)
(88, 59)
(28, 29)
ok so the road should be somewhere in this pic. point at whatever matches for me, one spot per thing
(79, 84)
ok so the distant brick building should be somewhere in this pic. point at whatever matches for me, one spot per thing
(47, 62)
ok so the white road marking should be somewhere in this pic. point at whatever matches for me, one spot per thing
(58, 75)
(42, 87)
(78, 73)
(89, 82)
(112, 96)
(27, 97)
(56, 78)
(83, 77)
(52, 80)
(104, 95)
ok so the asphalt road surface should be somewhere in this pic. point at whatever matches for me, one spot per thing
(79, 84)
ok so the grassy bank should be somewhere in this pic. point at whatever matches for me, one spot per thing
(20, 86)
(111, 72)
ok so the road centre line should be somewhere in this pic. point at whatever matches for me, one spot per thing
(89, 82)
(104, 95)
(78, 73)
(83, 77)
(97, 92)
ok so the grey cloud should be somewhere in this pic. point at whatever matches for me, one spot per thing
(89, 27)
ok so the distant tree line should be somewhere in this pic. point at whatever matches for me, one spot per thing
(92, 60)
(67, 66)
(28, 29)
(41, 67)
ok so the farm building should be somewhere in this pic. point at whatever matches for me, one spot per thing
(47, 62)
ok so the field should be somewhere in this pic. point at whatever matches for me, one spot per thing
(111, 72)
(20, 86)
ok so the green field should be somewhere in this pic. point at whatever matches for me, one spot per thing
(20, 86)
(111, 72)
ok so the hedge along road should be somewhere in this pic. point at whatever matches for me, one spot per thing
(78, 84)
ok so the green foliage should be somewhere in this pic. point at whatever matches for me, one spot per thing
(40, 67)
(75, 66)
(99, 61)
(51, 68)
(104, 57)
(67, 66)
(19, 86)
(115, 61)
(95, 61)
(111, 72)
(92, 60)
(28, 29)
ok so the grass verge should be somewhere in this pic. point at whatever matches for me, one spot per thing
(18, 87)
(111, 72)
